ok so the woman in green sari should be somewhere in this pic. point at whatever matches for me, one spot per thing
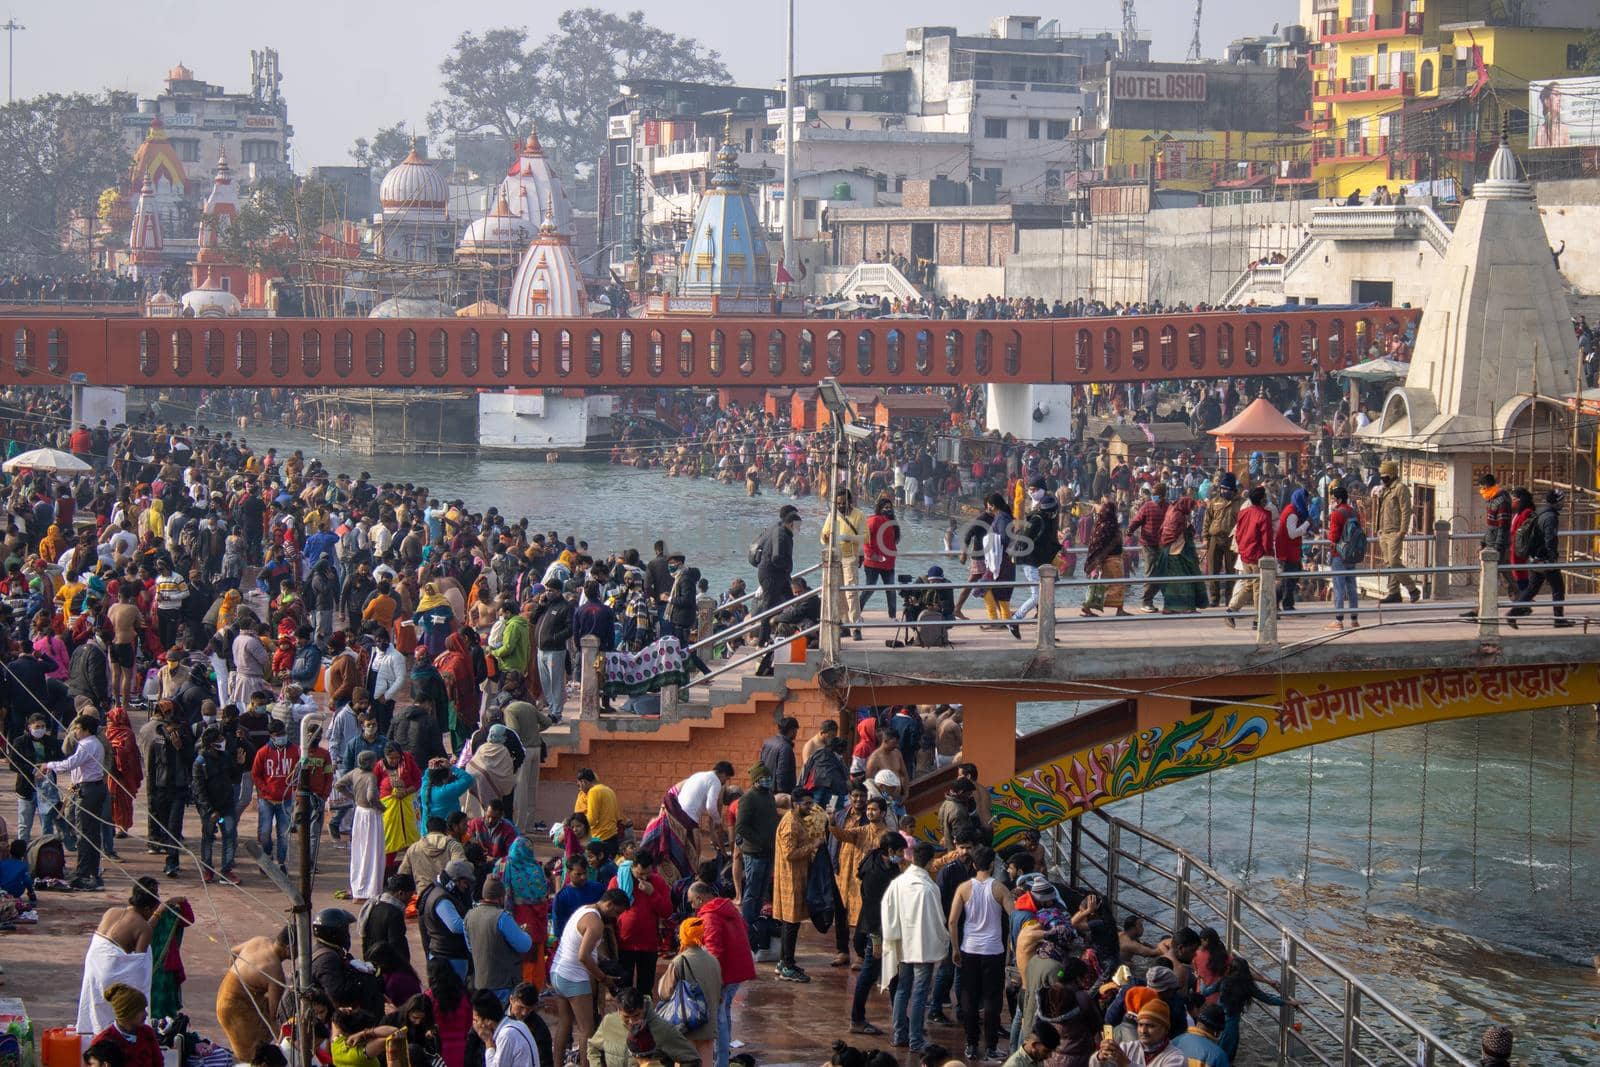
(166, 976)
(1176, 557)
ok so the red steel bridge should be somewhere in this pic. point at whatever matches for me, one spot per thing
(686, 351)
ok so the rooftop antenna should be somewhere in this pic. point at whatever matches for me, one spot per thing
(1130, 30)
(1194, 42)
(11, 27)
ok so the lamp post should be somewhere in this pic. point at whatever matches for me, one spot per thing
(838, 404)
(788, 145)
(12, 26)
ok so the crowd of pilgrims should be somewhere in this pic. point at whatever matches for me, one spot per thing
(224, 594)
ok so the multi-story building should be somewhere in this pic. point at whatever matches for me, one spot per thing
(204, 121)
(996, 109)
(1197, 127)
(1410, 91)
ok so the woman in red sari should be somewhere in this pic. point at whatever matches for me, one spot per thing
(128, 766)
(455, 665)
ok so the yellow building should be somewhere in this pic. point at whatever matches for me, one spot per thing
(1199, 127)
(1418, 90)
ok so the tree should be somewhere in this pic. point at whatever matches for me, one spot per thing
(282, 228)
(388, 147)
(565, 83)
(58, 154)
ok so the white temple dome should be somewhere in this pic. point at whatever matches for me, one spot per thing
(501, 230)
(410, 307)
(211, 301)
(415, 189)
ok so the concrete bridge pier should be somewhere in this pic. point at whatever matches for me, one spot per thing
(1030, 412)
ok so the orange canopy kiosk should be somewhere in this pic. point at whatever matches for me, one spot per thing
(1260, 427)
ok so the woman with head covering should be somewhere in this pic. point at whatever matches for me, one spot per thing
(128, 767)
(528, 901)
(53, 544)
(1176, 557)
(694, 964)
(455, 668)
(1294, 523)
(435, 619)
(493, 770)
(1103, 559)
(866, 744)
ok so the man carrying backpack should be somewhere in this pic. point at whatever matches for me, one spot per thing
(1348, 545)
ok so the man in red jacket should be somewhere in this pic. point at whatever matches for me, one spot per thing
(729, 944)
(1252, 532)
(273, 774)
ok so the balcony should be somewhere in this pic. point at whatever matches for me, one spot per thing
(1373, 87)
(1371, 27)
(1399, 222)
(1295, 172)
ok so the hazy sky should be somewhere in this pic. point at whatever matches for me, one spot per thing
(350, 67)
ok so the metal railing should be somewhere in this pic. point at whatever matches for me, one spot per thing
(1329, 1015)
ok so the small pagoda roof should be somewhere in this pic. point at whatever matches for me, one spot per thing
(1260, 421)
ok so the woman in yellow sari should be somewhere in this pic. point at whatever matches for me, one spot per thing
(52, 545)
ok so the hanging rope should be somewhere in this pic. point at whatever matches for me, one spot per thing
(1211, 782)
(1311, 768)
(1572, 786)
(1141, 823)
(1422, 814)
(1477, 768)
(1372, 788)
(1250, 840)
(1533, 881)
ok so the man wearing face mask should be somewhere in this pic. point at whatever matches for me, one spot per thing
(273, 775)
(1043, 539)
(441, 915)
(34, 745)
(774, 564)
(213, 799)
(1394, 521)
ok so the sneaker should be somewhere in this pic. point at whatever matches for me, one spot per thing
(789, 973)
(1392, 598)
(1150, 609)
(971, 1054)
(993, 1055)
(940, 1018)
(1562, 624)
(208, 878)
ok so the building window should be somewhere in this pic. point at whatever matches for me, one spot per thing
(1517, 123)
(1033, 129)
(994, 129)
(1577, 56)
(1052, 179)
(188, 149)
(616, 204)
(180, 107)
(258, 152)
(1057, 129)
(992, 176)
(900, 183)
(808, 209)
(881, 182)
(624, 154)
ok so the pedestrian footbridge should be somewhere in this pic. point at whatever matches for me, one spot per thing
(1172, 697)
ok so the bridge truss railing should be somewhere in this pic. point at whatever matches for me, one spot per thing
(1330, 1016)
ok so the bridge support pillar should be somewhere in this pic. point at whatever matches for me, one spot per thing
(989, 737)
(1030, 412)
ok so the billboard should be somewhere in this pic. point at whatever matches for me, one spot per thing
(1162, 86)
(1564, 112)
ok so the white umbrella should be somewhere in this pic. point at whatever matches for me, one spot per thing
(1376, 370)
(46, 459)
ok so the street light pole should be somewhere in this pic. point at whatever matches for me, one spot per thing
(12, 26)
(788, 148)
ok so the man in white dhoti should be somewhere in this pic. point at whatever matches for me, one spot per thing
(119, 951)
(366, 828)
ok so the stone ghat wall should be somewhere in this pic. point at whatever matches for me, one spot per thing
(642, 766)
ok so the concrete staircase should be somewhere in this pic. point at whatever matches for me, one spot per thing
(881, 280)
(708, 705)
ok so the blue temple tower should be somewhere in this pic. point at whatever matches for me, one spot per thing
(724, 266)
